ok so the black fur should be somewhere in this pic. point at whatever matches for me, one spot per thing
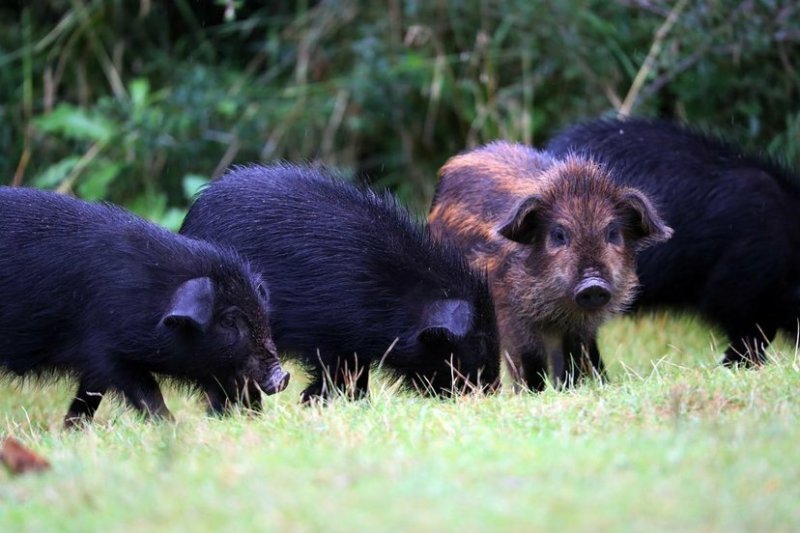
(349, 273)
(96, 292)
(735, 254)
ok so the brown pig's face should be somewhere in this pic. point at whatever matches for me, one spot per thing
(581, 235)
(584, 257)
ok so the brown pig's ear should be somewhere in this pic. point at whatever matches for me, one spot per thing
(642, 219)
(521, 225)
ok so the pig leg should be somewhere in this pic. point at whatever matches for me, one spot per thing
(141, 391)
(514, 366)
(583, 356)
(743, 309)
(746, 348)
(84, 405)
(562, 369)
(575, 358)
(534, 368)
(316, 391)
(220, 399)
(216, 400)
(358, 383)
(349, 378)
(252, 398)
(594, 357)
(526, 358)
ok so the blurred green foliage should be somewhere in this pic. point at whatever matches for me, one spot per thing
(140, 102)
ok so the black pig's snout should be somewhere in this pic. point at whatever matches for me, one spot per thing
(276, 381)
(592, 294)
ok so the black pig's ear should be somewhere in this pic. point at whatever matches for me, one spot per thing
(192, 305)
(642, 219)
(446, 320)
(521, 225)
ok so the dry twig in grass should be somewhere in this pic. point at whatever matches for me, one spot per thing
(649, 61)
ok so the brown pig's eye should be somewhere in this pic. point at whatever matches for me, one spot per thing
(614, 235)
(558, 236)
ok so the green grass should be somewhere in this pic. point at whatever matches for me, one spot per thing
(672, 442)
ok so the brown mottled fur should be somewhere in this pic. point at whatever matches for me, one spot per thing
(502, 191)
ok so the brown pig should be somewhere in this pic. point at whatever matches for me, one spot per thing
(558, 239)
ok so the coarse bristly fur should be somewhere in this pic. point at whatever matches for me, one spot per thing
(559, 241)
(96, 292)
(354, 281)
(735, 256)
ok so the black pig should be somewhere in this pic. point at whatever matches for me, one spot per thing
(354, 282)
(96, 292)
(735, 256)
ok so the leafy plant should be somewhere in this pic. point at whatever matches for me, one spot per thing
(123, 100)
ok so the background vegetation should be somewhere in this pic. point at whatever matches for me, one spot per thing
(140, 102)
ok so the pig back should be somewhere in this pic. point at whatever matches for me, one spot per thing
(478, 190)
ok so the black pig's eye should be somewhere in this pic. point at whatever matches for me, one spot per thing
(614, 235)
(559, 236)
(228, 321)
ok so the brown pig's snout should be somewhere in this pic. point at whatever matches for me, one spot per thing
(592, 293)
